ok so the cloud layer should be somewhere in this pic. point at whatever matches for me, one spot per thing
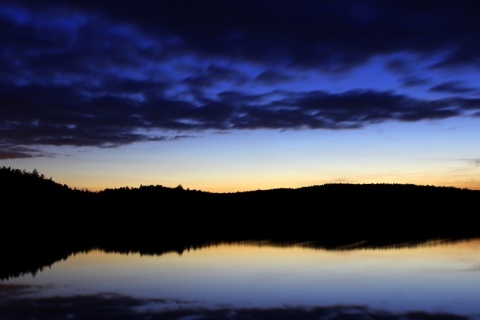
(109, 73)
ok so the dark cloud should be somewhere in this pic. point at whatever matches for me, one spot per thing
(414, 81)
(455, 87)
(332, 36)
(358, 108)
(11, 151)
(399, 66)
(212, 75)
(108, 73)
(272, 77)
(467, 104)
(36, 115)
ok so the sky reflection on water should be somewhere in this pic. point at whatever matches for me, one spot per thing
(441, 278)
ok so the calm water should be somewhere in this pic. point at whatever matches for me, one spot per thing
(432, 278)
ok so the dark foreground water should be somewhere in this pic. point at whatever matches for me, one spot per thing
(254, 281)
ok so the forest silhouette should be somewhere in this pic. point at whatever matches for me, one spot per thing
(46, 221)
(43, 207)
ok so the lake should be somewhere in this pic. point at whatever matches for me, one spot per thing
(254, 280)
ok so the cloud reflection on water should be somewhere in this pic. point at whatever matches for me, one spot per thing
(114, 306)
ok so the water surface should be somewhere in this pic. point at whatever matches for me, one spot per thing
(434, 278)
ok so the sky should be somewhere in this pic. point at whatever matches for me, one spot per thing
(239, 95)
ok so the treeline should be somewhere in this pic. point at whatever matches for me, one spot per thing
(41, 207)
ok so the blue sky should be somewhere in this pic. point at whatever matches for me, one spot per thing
(241, 95)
